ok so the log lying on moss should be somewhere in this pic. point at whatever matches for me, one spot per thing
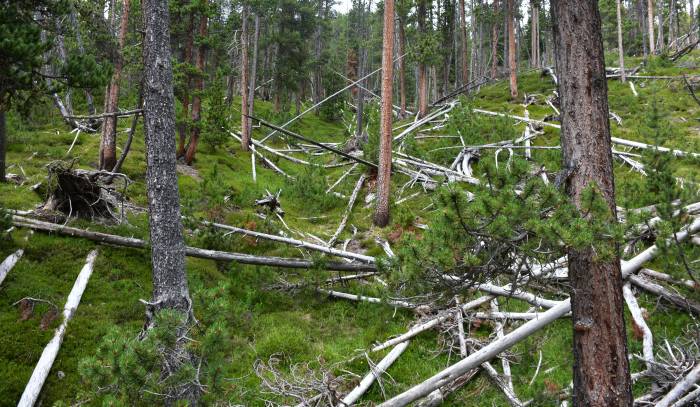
(242, 258)
(48, 356)
(9, 263)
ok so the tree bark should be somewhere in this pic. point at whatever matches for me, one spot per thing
(494, 42)
(108, 143)
(381, 214)
(601, 368)
(620, 48)
(650, 26)
(3, 144)
(402, 64)
(199, 88)
(245, 128)
(186, 59)
(422, 68)
(253, 72)
(512, 66)
(167, 245)
(535, 34)
(463, 42)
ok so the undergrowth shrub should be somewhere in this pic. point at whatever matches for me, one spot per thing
(310, 188)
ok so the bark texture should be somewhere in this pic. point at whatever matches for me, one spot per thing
(601, 368)
(422, 68)
(108, 143)
(620, 48)
(463, 42)
(199, 87)
(167, 244)
(381, 215)
(245, 128)
(512, 66)
(402, 64)
(650, 26)
(494, 42)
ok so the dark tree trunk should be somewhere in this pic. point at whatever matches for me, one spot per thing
(108, 144)
(512, 65)
(535, 33)
(199, 87)
(3, 144)
(183, 128)
(601, 368)
(167, 244)
(245, 128)
(494, 42)
(381, 216)
(253, 72)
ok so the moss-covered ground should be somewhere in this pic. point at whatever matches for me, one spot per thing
(303, 325)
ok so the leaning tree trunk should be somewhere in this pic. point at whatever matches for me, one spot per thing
(108, 143)
(601, 368)
(512, 66)
(620, 48)
(245, 129)
(3, 143)
(167, 244)
(650, 26)
(199, 87)
(381, 216)
(494, 42)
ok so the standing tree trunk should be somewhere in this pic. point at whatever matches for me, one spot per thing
(650, 26)
(183, 128)
(245, 129)
(402, 63)
(253, 73)
(199, 88)
(463, 42)
(660, 23)
(601, 368)
(422, 68)
(167, 244)
(3, 143)
(512, 65)
(494, 42)
(672, 23)
(620, 48)
(381, 215)
(81, 49)
(108, 143)
(317, 93)
(535, 34)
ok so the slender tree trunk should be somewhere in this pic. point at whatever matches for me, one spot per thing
(672, 23)
(199, 88)
(535, 33)
(464, 52)
(183, 128)
(167, 245)
(108, 143)
(381, 215)
(318, 48)
(402, 65)
(3, 144)
(620, 48)
(81, 49)
(512, 65)
(253, 72)
(494, 42)
(650, 26)
(601, 367)
(660, 22)
(422, 68)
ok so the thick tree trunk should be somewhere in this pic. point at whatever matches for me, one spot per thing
(253, 72)
(167, 244)
(199, 88)
(108, 143)
(245, 129)
(402, 65)
(463, 43)
(3, 144)
(650, 26)
(512, 65)
(601, 368)
(381, 215)
(422, 68)
(620, 48)
(494, 42)
(186, 59)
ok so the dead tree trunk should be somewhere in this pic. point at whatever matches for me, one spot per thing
(620, 48)
(253, 72)
(381, 215)
(245, 128)
(199, 88)
(402, 63)
(535, 34)
(512, 66)
(108, 143)
(167, 244)
(183, 128)
(494, 42)
(650, 26)
(601, 368)
(463, 42)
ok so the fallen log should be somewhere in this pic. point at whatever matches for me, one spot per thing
(668, 295)
(48, 356)
(285, 262)
(638, 318)
(362, 298)
(9, 263)
(681, 388)
(496, 347)
(348, 210)
(374, 373)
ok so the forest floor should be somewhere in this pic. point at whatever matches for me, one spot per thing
(302, 326)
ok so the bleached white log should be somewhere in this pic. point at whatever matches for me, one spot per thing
(362, 298)
(666, 277)
(342, 177)
(507, 376)
(263, 158)
(502, 384)
(374, 373)
(681, 388)
(691, 397)
(348, 210)
(424, 326)
(9, 263)
(48, 356)
(496, 347)
(460, 329)
(503, 315)
(634, 90)
(252, 163)
(519, 294)
(648, 339)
